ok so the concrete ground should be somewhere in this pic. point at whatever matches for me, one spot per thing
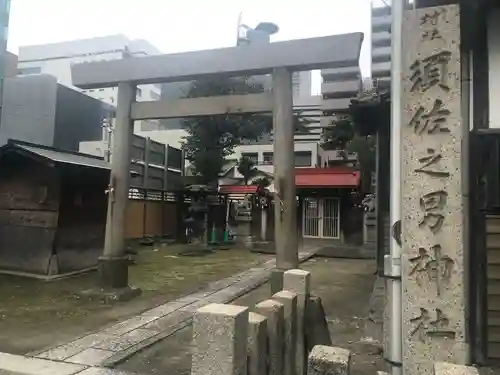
(345, 287)
(35, 315)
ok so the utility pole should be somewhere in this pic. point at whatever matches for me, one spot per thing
(394, 259)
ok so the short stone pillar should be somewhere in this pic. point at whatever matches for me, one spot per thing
(433, 207)
(289, 301)
(328, 360)
(257, 344)
(220, 340)
(274, 312)
(449, 369)
(299, 282)
(316, 325)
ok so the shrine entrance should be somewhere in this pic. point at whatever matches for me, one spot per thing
(321, 218)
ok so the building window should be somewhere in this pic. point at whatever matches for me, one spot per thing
(303, 158)
(268, 158)
(139, 93)
(253, 156)
(29, 70)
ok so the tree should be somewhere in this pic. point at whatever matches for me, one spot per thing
(246, 167)
(211, 139)
(262, 182)
(338, 136)
(365, 148)
(342, 136)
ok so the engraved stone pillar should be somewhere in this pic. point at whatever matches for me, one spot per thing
(432, 208)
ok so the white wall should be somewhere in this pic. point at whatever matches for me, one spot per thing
(261, 149)
(494, 66)
(96, 148)
(61, 69)
(172, 137)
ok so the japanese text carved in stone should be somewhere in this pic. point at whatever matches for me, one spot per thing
(432, 120)
(430, 71)
(432, 205)
(431, 325)
(430, 164)
(429, 24)
(432, 265)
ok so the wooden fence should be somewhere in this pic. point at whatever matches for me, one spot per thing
(152, 214)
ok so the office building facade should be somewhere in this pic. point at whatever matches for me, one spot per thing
(56, 59)
(39, 110)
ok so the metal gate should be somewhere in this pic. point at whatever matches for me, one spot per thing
(321, 218)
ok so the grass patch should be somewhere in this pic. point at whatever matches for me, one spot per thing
(36, 314)
(163, 270)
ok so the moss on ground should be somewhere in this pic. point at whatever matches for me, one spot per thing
(36, 314)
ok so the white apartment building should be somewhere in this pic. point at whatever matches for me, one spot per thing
(339, 86)
(56, 59)
(381, 46)
(306, 144)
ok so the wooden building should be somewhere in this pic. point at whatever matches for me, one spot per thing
(52, 209)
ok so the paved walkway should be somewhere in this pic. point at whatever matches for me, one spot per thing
(111, 345)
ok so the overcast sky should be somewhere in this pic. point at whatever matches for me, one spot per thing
(184, 25)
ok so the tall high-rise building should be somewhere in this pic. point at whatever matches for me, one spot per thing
(339, 86)
(381, 45)
(4, 35)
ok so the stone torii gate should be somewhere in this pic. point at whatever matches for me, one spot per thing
(279, 59)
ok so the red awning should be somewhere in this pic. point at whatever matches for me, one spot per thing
(327, 177)
(239, 189)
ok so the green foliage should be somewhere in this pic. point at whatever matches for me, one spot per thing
(246, 167)
(342, 136)
(262, 181)
(211, 139)
(365, 148)
(338, 136)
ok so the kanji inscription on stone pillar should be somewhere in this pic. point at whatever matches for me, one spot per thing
(432, 208)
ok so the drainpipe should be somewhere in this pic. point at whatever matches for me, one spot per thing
(393, 269)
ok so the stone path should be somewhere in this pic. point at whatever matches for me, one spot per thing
(112, 345)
